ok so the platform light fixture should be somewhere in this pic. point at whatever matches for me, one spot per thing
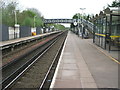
(82, 9)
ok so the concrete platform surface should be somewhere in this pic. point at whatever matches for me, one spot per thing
(81, 65)
(3, 43)
(114, 54)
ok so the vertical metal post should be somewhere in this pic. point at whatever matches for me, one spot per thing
(106, 31)
(93, 35)
(34, 21)
(15, 24)
(82, 31)
(94, 32)
(15, 17)
(99, 22)
(110, 27)
(78, 25)
(81, 20)
(102, 32)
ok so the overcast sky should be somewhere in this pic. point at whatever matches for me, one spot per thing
(65, 8)
(53, 9)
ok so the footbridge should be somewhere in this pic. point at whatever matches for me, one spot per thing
(74, 21)
(48, 21)
(81, 25)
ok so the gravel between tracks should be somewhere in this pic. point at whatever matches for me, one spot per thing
(34, 76)
(21, 50)
(7, 71)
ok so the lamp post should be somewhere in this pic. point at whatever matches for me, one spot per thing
(78, 24)
(15, 24)
(82, 9)
(15, 17)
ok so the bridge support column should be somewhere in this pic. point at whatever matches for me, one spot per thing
(82, 31)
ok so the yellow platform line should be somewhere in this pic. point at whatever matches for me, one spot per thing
(115, 60)
(103, 35)
(115, 36)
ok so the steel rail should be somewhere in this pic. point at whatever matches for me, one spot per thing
(52, 64)
(15, 75)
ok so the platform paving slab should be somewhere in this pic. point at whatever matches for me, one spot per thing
(84, 66)
(73, 71)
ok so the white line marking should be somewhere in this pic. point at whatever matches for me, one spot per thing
(56, 71)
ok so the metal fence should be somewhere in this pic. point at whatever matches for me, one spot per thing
(25, 31)
(8, 33)
(4, 32)
(38, 30)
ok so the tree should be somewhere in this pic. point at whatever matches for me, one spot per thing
(26, 17)
(8, 14)
(59, 27)
(76, 16)
(27, 22)
(39, 18)
(39, 21)
(32, 15)
(38, 13)
(114, 4)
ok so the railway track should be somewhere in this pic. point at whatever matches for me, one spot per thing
(8, 54)
(41, 58)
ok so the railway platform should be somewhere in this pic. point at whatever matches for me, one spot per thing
(83, 65)
(9, 43)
